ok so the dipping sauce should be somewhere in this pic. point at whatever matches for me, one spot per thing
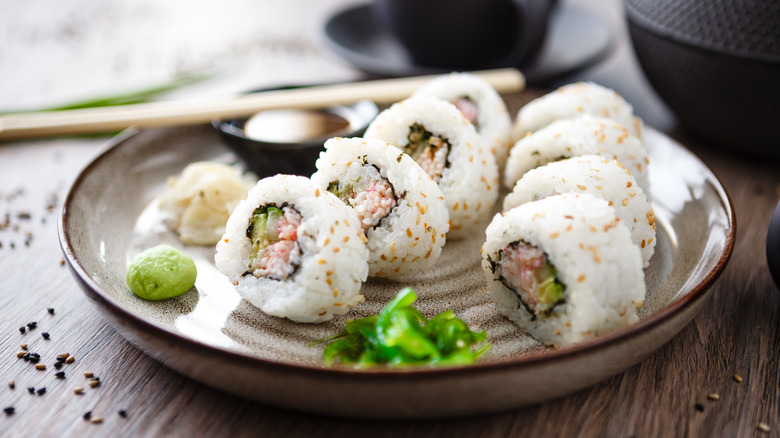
(294, 126)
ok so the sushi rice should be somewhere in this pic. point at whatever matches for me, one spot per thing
(480, 104)
(440, 139)
(606, 179)
(400, 208)
(584, 135)
(564, 268)
(574, 100)
(294, 250)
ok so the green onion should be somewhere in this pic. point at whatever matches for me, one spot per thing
(132, 97)
(401, 335)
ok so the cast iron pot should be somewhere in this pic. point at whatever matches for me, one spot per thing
(716, 64)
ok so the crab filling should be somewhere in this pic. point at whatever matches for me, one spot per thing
(273, 232)
(372, 197)
(526, 270)
(428, 150)
(468, 108)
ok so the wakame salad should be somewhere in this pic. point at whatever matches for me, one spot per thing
(400, 335)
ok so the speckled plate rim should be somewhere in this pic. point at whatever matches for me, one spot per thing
(127, 319)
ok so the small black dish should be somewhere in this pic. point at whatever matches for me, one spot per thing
(290, 141)
(575, 39)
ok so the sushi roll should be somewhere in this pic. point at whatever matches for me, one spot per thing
(584, 135)
(574, 100)
(606, 179)
(400, 209)
(564, 268)
(294, 250)
(480, 104)
(440, 139)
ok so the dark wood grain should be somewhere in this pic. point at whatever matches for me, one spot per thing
(736, 333)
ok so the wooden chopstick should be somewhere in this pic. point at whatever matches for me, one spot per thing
(169, 113)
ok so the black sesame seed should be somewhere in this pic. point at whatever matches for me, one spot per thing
(9, 410)
(41, 391)
(699, 407)
(45, 335)
(122, 413)
(26, 357)
(60, 375)
(58, 365)
(88, 415)
(50, 310)
(22, 330)
(60, 359)
(31, 389)
(32, 325)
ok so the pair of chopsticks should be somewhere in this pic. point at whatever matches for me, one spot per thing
(170, 113)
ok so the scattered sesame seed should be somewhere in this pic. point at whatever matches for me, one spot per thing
(31, 389)
(45, 335)
(70, 359)
(78, 390)
(22, 330)
(58, 365)
(41, 391)
(24, 346)
(32, 325)
(87, 415)
(50, 310)
(94, 383)
(96, 420)
(738, 378)
(10, 410)
(763, 427)
(699, 407)
(122, 413)
(713, 396)
(11, 384)
(60, 375)
(40, 366)
(21, 354)
(89, 374)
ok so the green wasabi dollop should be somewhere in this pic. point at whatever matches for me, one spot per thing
(160, 273)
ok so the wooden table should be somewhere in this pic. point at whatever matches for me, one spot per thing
(667, 394)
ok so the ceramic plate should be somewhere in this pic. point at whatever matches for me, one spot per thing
(575, 40)
(213, 336)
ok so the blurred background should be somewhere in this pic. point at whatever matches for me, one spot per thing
(57, 53)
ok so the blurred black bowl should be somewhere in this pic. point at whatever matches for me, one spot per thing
(290, 141)
(716, 64)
